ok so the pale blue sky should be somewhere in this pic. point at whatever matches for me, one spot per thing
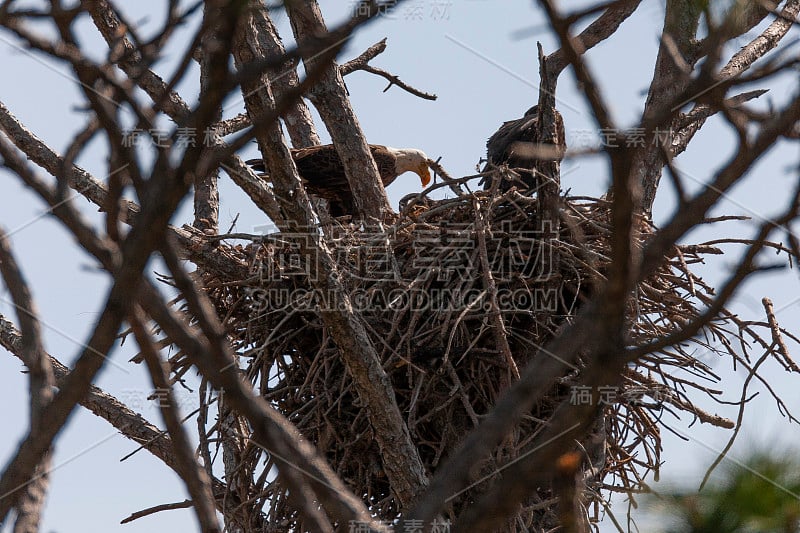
(470, 55)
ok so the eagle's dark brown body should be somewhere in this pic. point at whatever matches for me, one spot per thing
(516, 144)
(322, 172)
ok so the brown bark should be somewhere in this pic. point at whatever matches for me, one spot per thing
(163, 198)
(330, 98)
(30, 504)
(669, 80)
(400, 457)
(198, 481)
(298, 119)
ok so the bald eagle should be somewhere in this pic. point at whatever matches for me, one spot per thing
(322, 172)
(516, 144)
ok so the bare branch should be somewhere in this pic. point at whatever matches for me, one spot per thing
(129, 423)
(196, 478)
(206, 190)
(362, 63)
(669, 82)
(283, 78)
(165, 194)
(599, 30)
(157, 509)
(38, 152)
(498, 324)
(330, 98)
(777, 338)
(401, 458)
(271, 431)
(131, 61)
(366, 56)
(687, 125)
(30, 502)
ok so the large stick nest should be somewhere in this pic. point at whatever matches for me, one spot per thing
(435, 316)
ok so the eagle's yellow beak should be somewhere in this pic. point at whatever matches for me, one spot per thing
(424, 174)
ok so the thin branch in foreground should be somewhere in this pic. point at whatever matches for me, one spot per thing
(129, 423)
(194, 476)
(777, 338)
(30, 502)
(157, 509)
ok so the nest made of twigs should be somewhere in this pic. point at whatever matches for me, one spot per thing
(423, 290)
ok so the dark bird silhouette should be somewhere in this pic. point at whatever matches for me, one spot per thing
(322, 172)
(517, 145)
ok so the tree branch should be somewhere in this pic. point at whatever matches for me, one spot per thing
(194, 476)
(362, 63)
(401, 458)
(599, 30)
(165, 192)
(30, 503)
(329, 96)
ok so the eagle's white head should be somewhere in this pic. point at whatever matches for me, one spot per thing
(411, 160)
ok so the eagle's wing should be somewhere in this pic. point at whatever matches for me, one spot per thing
(520, 130)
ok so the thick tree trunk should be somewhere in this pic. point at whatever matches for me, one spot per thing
(400, 456)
